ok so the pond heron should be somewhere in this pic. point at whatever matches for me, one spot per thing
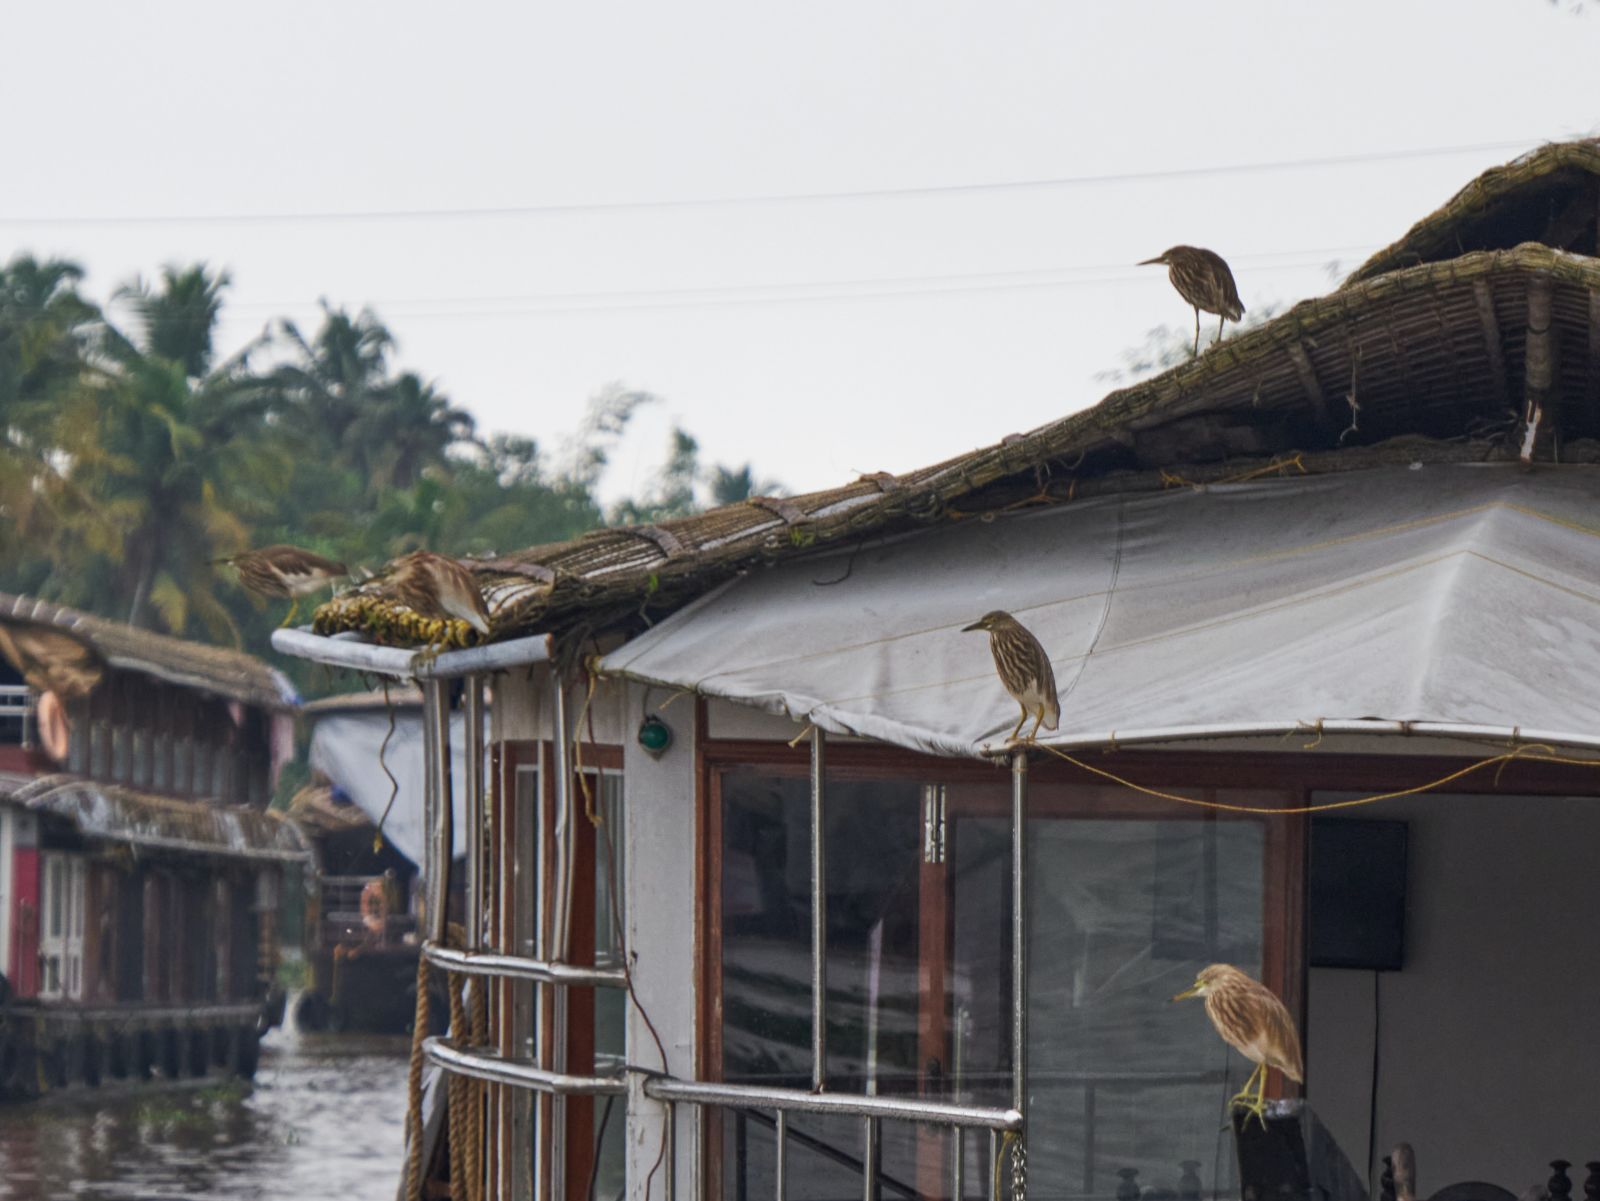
(1253, 1022)
(1024, 669)
(284, 571)
(1203, 279)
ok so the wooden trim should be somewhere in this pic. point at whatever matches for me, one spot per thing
(1187, 772)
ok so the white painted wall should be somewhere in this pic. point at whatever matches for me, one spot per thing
(659, 882)
(1490, 1036)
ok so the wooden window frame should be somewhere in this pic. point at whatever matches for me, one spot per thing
(509, 756)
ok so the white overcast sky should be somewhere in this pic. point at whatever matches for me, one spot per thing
(264, 138)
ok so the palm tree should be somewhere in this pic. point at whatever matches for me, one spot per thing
(45, 415)
(407, 428)
(186, 454)
(339, 375)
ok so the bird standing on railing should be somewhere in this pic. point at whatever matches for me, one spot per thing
(433, 586)
(1254, 1022)
(1204, 280)
(1024, 669)
(284, 571)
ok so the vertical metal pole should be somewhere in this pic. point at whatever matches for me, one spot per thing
(781, 1133)
(669, 1161)
(1019, 931)
(437, 790)
(557, 934)
(869, 1160)
(994, 1165)
(958, 1146)
(472, 782)
(819, 913)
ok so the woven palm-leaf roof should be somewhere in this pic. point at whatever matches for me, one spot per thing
(228, 673)
(1550, 195)
(1422, 361)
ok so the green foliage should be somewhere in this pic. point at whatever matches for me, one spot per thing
(131, 458)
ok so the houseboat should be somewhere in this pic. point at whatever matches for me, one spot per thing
(148, 897)
(761, 900)
(363, 809)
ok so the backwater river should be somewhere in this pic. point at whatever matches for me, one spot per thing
(325, 1118)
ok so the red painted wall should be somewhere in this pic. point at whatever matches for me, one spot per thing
(24, 917)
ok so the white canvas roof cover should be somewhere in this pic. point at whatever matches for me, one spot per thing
(1464, 595)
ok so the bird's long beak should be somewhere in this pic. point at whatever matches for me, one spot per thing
(977, 625)
(1192, 990)
(1148, 262)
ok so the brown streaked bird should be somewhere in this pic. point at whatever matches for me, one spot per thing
(1024, 669)
(432, 585)
(1253, 1022)
(284, 571)
(1204, 280)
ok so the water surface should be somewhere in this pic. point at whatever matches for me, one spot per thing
(324, 1119)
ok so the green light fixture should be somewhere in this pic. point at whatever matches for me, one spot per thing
(655, 736)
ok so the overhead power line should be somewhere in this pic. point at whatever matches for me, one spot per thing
(632, 206)
(791, 292)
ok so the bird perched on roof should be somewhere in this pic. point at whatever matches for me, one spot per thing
(1254, 1022)
(1203, 279)
(284, 571)
(434, 586)
(1024, 669)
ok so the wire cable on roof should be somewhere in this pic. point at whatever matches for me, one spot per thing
(593, 208)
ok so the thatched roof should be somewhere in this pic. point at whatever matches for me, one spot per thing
(112, 813)
(1425, 361)
(1550, 195)
(65, 650)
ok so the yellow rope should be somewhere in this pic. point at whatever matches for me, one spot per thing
(1006, 1139)
(457, 1098)
(1533, 752)
(419, 1031)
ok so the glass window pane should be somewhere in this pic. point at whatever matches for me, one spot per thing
(1123, 915)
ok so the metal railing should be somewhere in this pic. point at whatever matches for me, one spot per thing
(548, 970)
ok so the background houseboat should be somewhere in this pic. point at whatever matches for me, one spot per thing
(760, 900)
(147, 896)
(367, 769)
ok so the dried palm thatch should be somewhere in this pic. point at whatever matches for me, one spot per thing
(1439, 354)
(65, 651)
(114, 814)
(1550, 195)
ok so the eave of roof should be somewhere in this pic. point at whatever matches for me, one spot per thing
(1550, 195)
(218, 670)
(111, 813)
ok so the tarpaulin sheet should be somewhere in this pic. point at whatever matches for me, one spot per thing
(345, 747)
(1458, 594)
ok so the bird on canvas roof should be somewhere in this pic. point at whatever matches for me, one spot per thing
(284, 571)
(434, 586)
(1253, 1022)
(1024, 669)
(1203, 279)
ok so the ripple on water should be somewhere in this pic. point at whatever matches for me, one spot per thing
(325, 1118)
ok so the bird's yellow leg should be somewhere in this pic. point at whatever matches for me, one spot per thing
(1018, 728)
(294, 609)
(1242, 1099)
(1038, 720)
(1196, 349)
(1219, 330)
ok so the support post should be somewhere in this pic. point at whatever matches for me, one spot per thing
(436, 713)
(780, 1132)
(1483, 300)
(819, 913)
(1541, 396)
(472, 781)
(560, 910)
(1019, 932)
